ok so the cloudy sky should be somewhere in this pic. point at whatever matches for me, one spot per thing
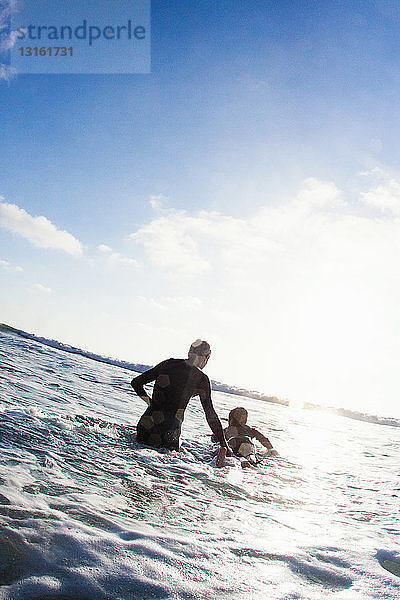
(246, 191)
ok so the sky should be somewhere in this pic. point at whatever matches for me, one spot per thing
(245, 191)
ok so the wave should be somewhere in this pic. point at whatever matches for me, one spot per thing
(354, 414)
(137, 367)
(216, 385)
(74, 350)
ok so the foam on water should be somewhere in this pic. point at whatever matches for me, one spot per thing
(86, 513)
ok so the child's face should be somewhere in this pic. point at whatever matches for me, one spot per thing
(238, 416)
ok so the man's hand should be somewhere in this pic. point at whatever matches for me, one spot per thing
(220, 462)
(146, 398)
(140, 391)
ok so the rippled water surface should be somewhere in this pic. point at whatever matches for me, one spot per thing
(86, 513)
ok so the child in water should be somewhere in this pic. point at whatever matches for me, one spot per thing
(239, 435)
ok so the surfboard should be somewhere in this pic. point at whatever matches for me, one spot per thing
(393, 566)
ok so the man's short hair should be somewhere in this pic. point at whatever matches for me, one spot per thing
(200, 348)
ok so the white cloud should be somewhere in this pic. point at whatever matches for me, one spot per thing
(9, 267)
(168, 244)
(7, 73)
(385, 196)
(104, 248)
(41, 289)
(375, 172)
(316, 193)
(115, 258)
(118, 259)
(7, 9)
(185, 303)
(308, 286)
(191, 245)
(157, 202)
(37, 230)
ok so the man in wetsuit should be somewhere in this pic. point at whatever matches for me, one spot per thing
(176, 381)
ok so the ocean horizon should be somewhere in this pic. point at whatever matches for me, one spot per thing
(384, 419)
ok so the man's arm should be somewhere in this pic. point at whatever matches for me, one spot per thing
(211, 416)
(138, 382)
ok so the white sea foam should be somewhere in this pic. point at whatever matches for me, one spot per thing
(86, 513)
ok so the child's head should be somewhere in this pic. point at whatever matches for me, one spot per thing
(238, 416)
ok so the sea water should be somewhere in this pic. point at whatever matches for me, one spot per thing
(88, 514)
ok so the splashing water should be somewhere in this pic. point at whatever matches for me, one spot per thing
(86, 513)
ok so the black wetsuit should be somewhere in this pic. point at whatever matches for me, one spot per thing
(175, 383)
(239, 439)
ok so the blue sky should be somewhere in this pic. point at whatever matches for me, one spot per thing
(247, 191)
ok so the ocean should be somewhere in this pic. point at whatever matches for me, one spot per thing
(88, 514)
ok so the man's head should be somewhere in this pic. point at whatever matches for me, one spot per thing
(199, 353)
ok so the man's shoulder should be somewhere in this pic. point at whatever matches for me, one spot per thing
(199, 379)
(172, 363)
(202, 376)
(181, 367)
(180, 364)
